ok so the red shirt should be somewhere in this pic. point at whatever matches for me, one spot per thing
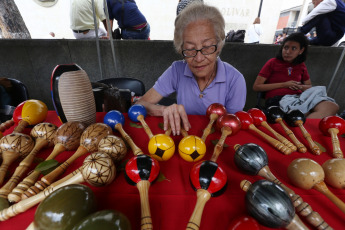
(276, 71)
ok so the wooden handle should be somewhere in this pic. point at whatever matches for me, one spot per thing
(313, 147)
(280, 137)
(136, 150)
(24, 205)
(16, 194)
(184, 132)
(8, 157)
(21, 169)
(6, 125)
(21, 126)
(146, 127)
(296, 223)
(226, 131)
(275, 143)
(146, 221)
(301, 207)
(207, 130)
(337, 153)
(51, 177)
(300, 147)
(322, 187)
(202, 197)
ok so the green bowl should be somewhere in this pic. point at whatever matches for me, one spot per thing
(105, 220)
(65, 207)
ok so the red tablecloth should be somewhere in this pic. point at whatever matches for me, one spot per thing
(172, 200)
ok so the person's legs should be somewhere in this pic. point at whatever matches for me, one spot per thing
(326, 36)
(324, 109)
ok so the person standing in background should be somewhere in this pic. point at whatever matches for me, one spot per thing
(255, 31)
(132, 22)
(183, 3)
(82, 20)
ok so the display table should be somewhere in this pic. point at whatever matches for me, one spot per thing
(172, 198)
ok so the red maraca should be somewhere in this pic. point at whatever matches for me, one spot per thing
(333, 126)
(30, 112)
(214, 111)
(229, 124)
(259, 118)
(247, 123)
(207, 179)
(141, 171)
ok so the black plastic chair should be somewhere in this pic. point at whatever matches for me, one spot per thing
(260, 101)
(18, 93)
(134, 85)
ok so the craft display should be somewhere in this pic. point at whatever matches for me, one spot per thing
(214, 111)
(259, 119)
(295, 118)
(247, 123)
(333, 126)
(276, 115)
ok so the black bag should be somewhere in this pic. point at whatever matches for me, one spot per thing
(235, 36)
(117, 34)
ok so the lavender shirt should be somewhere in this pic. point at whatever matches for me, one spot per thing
(228, 88)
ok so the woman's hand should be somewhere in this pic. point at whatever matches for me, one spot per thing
(172, 116)
(294, 85)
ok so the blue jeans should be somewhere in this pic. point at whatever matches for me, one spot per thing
(137, 34)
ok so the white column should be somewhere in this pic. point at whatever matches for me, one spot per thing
(303, 12)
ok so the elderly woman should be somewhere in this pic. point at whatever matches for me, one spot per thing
(201, 78)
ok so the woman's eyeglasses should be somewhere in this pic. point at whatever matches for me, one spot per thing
(205, 51)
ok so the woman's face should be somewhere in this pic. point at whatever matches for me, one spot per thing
(198, 35)
(291, 50)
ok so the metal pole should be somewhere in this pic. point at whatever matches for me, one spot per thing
(260, 8)
(97, 39)
(110, 37)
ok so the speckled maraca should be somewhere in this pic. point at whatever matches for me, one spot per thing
(116, 120)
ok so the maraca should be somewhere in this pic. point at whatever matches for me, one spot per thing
(214, 111)
(98, 170)
(13, 146)
(4, 126)
(252, 159)
(259, 118)
(161, 146)
(67, 138)
(44, 134)
(269, 204)
(30, 112)
(306, 174)
(137, 113)
(276, 115)
(116, 120)
(333, 126)
(142, 170)
(114, 146)
(89, 141)
(247, 123)
(191, 148)
(335, 172)
(228, 124)
(207, 179)
(297, 118)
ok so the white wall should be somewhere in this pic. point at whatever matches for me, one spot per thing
(238, 14)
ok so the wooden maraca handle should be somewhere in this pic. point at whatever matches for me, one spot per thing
(24, 205)
(184, 132)
(21, 126)
(51, 177)
(207, 130)
(337, 153)
(21, 169)
(322, 187)
(6, 125)
(300, 147)
(202, 197)
(7, 159)
(301, 207)
(314, 148)
(16, 194)
(145, 126)
(275, 143)
(226, 131)
(146, 221)
(136, 150)
(279, 137)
